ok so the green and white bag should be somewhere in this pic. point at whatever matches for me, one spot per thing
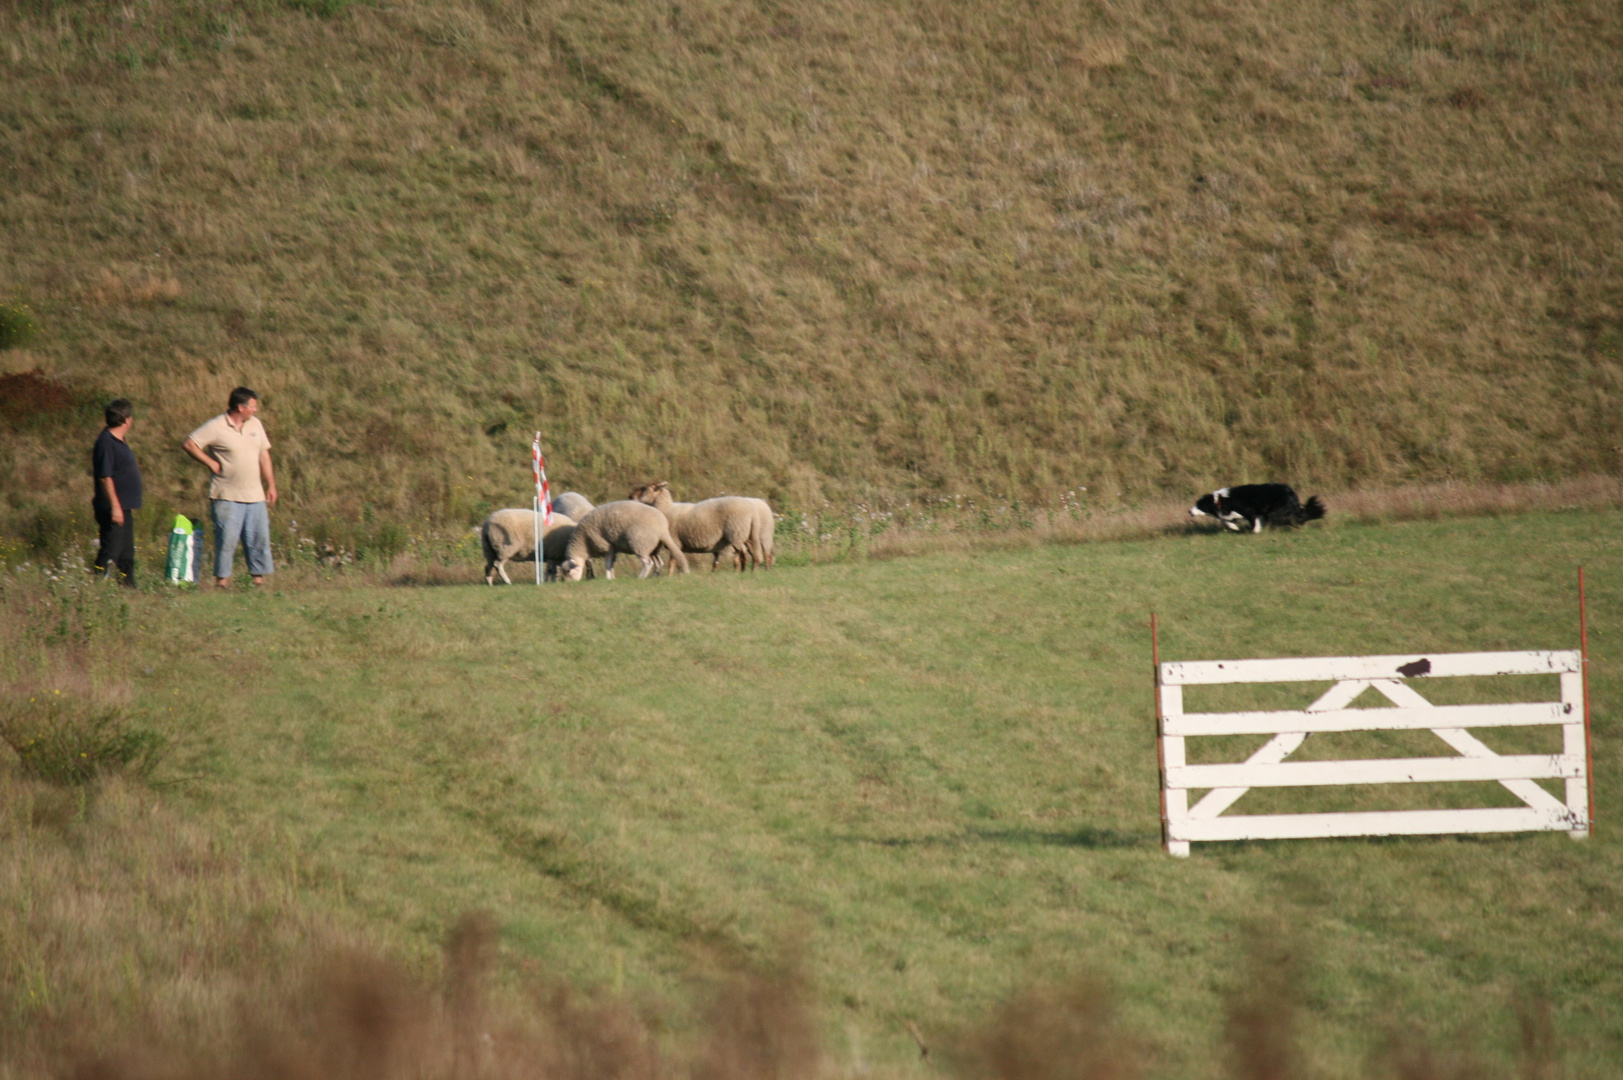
(182, 552)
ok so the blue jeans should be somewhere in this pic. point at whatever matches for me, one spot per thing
(248, 522)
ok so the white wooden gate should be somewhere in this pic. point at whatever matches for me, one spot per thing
(1391, 676)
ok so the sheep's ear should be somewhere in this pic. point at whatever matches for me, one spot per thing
(663, 485)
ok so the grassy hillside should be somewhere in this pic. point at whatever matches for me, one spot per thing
(936, 776)
(840, 250)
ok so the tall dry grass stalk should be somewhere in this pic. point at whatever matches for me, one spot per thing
(344, 1013)
(1058, 1033)
(341, 1012)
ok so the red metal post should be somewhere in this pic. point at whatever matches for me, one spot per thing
(1160, 745)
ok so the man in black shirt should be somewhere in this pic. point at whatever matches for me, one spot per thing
(118, 493)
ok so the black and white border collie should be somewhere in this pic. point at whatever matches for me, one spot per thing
(1249, 507)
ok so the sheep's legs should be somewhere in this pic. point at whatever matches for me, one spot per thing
(608, 567)
(648, 567)
(501, 568)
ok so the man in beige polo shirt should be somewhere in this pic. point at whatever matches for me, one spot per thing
(236, 450)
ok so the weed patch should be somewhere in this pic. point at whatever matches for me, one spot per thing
(71, 739)
(18, 325)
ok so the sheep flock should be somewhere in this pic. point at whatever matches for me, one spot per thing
(648, 524)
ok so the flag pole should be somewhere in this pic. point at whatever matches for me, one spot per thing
(535, 466)
(543, 501)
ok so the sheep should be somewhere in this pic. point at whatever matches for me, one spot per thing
(762, 537)
(555, 544)
(572, 504)
(509, 536)
(730, 524)
(759, 550)
(714, 527)
(620, 528)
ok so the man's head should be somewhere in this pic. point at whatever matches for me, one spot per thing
(118, 412)
(243, 402)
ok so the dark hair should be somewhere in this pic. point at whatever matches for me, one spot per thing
(240, 397)
(118, 411)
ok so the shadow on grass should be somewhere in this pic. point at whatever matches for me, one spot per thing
(1086, 837)
(1272, 848)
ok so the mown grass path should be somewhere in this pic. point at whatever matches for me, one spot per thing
(934, 778)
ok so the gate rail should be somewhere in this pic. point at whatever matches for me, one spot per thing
(1392, 677)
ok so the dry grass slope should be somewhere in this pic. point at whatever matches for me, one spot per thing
(848, 250)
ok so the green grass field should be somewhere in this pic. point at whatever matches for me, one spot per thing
(931, 781)
(979, 295)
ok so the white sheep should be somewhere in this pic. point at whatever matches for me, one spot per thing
(509, 536)
(729, 525)
(572, 504)
(555, 546)
(763, 536)
(616, 528)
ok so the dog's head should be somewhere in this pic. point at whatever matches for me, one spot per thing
(1210, 505)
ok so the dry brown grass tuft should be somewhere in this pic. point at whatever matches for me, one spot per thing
(110, 287)
(761, 1026)
(408, 570)
(25, 394)
(1461, 500)
(1047, 1033)
(347, 1014)
(1262, 1031)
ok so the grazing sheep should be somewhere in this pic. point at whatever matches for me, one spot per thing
(509, 536)
(759, 551)
(555, 546)
(729, 525)
(572, 504)
(616, 528)
(762, 537)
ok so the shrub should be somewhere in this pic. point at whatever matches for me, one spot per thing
(386, 541)
(18, 325)
(70, 739)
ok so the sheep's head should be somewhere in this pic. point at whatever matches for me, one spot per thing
(652, 494)
(571, 569)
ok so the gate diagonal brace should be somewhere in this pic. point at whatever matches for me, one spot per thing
(1468, 745)
(1279, 747)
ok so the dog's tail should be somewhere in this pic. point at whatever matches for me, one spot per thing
(1313, 509)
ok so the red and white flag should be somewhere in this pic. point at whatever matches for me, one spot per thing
(543, 491)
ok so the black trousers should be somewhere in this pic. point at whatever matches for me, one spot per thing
(117, 543)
